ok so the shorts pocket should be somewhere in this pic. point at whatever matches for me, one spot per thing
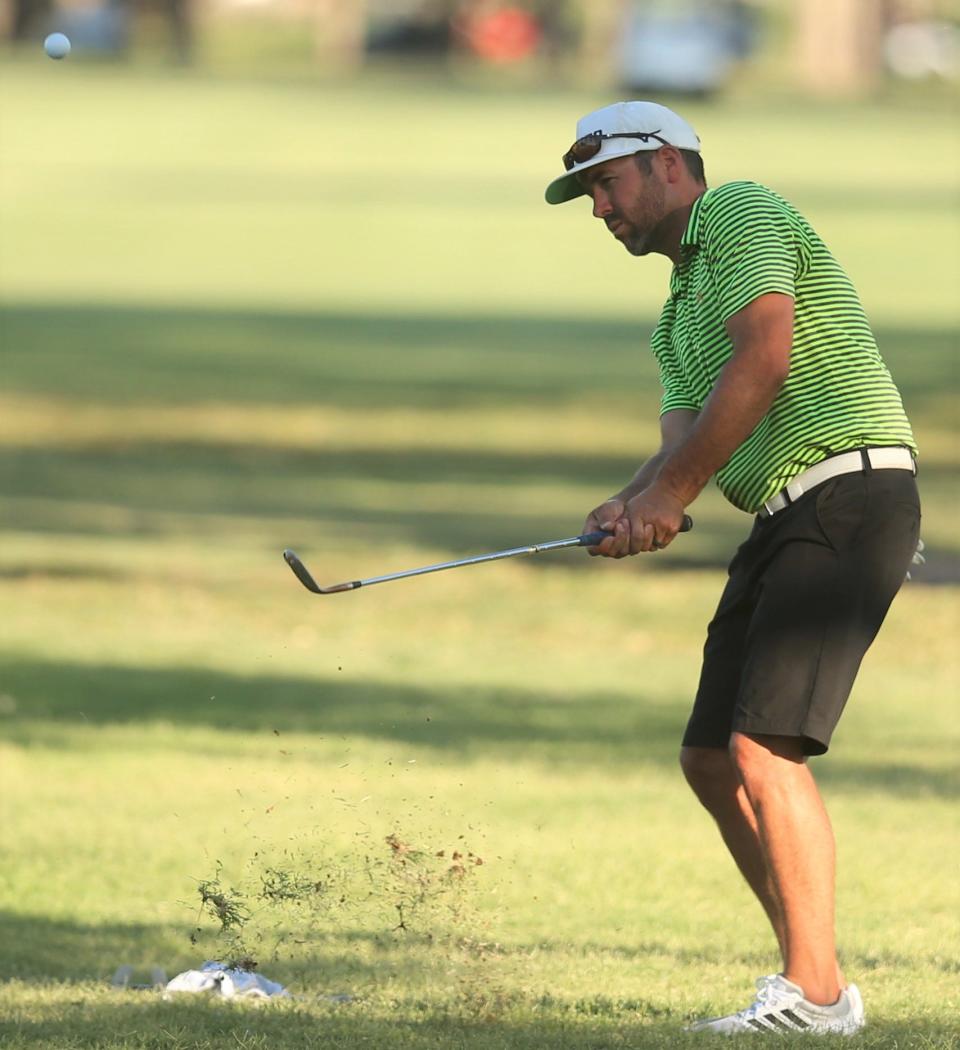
(841, 507)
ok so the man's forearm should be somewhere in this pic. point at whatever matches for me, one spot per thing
(741, 398)
(644, 477)
(747, 386)
(675, 427)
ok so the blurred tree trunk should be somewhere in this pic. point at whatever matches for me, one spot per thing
(26, 17)
(840, 44)
(600, 22)
(340, 30)
(181, 14)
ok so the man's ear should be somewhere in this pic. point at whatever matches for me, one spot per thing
(672, 163)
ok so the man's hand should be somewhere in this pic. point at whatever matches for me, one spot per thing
(655, 516)
(648, 521)
(609, 517)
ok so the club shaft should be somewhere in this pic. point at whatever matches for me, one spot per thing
(477, 559)
(589, 539)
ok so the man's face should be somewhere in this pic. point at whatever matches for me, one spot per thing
(630, 202)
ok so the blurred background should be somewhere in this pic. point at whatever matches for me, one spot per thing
(684, 46)
(280, 273)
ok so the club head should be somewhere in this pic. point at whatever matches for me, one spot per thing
(300, 571)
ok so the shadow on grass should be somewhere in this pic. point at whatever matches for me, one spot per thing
(50, 699)
(463, 722)
(136, 354)
(39, 948)
(61, 572)
(483, 1017)
(891, 778)
(338, 958)
(159, 489)
(178, 356)
(727, 956)
(36, 947)
(406, 993)
(185, 356)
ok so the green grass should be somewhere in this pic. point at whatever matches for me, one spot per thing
(239, 316)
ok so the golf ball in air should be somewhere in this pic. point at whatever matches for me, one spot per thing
(57, 45)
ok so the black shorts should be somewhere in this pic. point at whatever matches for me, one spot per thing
(806, 595)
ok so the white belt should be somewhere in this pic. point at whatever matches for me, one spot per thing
(896, 458)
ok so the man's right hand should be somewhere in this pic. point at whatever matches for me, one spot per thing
(610, 517)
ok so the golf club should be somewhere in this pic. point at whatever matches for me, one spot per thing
(589, 539)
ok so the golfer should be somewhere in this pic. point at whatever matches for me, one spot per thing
(773, 385)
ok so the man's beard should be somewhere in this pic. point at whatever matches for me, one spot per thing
(638, 244)
(640, 233)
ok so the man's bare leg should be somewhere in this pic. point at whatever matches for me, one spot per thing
(714, 779)
(797, 844)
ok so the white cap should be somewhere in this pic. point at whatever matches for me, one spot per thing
(630, 118)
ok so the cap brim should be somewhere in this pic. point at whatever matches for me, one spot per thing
(567, 186)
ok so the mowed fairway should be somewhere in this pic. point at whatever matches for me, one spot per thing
(243, 316)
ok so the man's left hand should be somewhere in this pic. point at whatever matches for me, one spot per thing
(655, 516)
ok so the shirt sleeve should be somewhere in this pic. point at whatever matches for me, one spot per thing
(752, 247)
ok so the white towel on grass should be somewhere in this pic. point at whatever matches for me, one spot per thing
(229, 983)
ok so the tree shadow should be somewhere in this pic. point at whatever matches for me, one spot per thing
(481, 1013)
(149, 355)
(38, 947)
(186, 355)
(163, 487)
(459, 721)
(167, 488)
(178, 356)
(190, 356)
(890, 778)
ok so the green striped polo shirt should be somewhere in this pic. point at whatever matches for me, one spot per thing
(742, 241)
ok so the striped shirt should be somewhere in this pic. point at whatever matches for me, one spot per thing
(742, 241)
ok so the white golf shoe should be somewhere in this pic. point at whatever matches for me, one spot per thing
(780, 1007)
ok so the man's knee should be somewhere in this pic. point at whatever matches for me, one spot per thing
(709, 771)
(758, 756)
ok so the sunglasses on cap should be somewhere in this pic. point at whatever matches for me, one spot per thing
(589, 146)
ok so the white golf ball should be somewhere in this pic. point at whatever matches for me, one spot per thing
(57, 45)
